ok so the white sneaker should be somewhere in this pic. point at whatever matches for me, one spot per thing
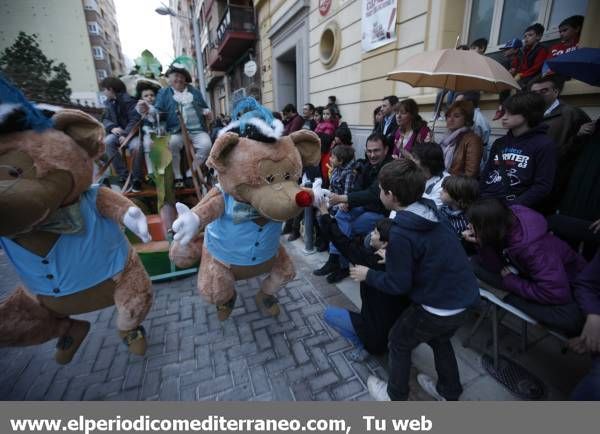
(377, 388)
(428, 385)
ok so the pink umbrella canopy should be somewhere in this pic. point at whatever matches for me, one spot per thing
(455, 70)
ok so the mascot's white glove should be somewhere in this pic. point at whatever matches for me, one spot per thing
(187, 224)
(320, 194)
(135, 220)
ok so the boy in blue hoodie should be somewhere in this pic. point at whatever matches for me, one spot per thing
(425, 261)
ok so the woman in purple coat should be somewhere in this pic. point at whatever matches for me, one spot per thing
(519, 255)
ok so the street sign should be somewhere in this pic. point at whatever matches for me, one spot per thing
(250, 68)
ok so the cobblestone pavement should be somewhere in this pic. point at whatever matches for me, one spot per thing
(193, 356)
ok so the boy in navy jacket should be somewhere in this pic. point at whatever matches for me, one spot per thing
(425, 261)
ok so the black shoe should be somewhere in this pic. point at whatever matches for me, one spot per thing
(287, 228)
(293, 236)
(136, 187)
(338, 275)
(188, 182)
(179, 183)
(332, 264)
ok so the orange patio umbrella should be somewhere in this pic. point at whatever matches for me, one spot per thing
(456, 70)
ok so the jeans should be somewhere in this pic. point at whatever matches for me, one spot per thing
(112, 148)
(588, 388)
(339, 320)
(357, 221)
(415, 326)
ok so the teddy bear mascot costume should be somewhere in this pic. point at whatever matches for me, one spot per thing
(258, 172)
(63, 235)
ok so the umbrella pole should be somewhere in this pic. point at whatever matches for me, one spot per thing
(436, 113)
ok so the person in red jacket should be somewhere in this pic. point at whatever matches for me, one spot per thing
(570, 31)
(528, 63)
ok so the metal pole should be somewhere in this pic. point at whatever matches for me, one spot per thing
(200, 66)
(309, 244)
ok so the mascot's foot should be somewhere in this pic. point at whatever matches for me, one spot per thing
(135, 340)
(67, 345)
(225, 309)
(268, 304)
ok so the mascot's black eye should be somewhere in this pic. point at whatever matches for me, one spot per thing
(287, 176)
(270, 178)
(15, 172)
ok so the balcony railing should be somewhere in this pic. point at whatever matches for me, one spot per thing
(236, 19)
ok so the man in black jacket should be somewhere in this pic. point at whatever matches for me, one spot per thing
(119, 119)
(388, 126)
(360, 209)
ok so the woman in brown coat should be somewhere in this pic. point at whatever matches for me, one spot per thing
(462, 147)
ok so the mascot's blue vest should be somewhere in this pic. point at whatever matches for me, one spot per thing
(235, 239)
(76, 261)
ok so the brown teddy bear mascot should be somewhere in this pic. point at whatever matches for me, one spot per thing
(258, 172)
(63, 236)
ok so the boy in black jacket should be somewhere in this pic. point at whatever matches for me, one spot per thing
(369, 329)
(425, 261)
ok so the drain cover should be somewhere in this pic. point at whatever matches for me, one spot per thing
(514, 377)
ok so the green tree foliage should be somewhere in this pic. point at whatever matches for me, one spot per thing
(30, 70)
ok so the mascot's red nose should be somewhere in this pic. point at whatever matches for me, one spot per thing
(303, 198)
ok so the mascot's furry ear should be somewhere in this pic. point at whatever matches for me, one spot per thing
(83, 128)
(308, 145)
(221, 149)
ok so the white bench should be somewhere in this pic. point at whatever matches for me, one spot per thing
(494, 298)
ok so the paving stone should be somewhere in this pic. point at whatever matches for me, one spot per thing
(275, 366)
(243, 392)
(302, 372)
(220, 363)
(337, 345)
(119, 365)
(178, 368)
(323, 380)
(281, 389)
(262, 339)
(158, 362)
(320, 358)
(164, 319)
(99, 391)
(342, 366)
(134, 375)
(104, 358)
(280, 345)
(301, 391)
(150, 385)
(261, 358)
(188, 393)
(239, 371)
(300, 353)
(215, 385)
(197, 376)
(347, 390)
(243, 350)
(260, 382)
(56, 390)
(300, 333)
(169, 390)
(317, 340)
